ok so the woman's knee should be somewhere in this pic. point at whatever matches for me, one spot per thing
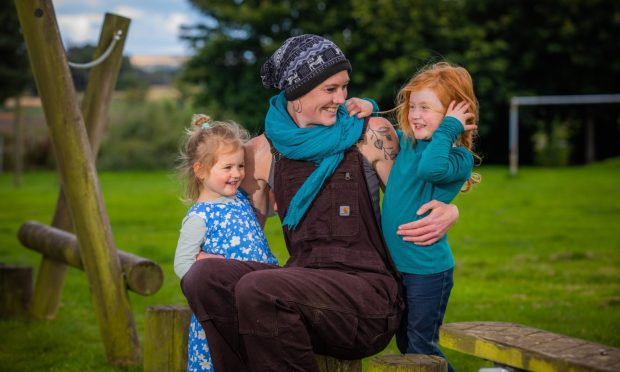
(254, 287)
(257, 303)
(203, 277)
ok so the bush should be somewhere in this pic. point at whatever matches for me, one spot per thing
(144, 135)
(551, 145)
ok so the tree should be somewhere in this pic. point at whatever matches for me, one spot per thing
(231, 49)
(510, 48)
(14, 75)
(14, 66)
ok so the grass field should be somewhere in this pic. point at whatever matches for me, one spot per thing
(542, 249)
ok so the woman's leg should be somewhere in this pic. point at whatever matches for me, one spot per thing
(288, 315)
(209, 287)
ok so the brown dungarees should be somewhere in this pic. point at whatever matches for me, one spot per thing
(337, 295)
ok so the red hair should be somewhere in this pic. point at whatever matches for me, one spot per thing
(449, 83)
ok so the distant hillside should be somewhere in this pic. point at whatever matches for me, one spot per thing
(152, 63)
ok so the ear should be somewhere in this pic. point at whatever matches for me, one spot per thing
(197, 167)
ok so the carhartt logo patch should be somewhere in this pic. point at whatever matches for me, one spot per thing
(345, 210)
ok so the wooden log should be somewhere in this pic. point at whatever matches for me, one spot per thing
(408, 363)
(166, 330)
(331, 364)
(15, 290)
(79, 181)
(528, 348)
(101, 82)
(143, 276)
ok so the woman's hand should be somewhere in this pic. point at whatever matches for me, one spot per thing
(459, 112)
(431, 228)
(358, 106)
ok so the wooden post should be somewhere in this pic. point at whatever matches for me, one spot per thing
(79, 181)
(408, 363)
(18, 142)
(143, 276)
(101, 82)
(15, 290)
(166, 329)
(331, 364)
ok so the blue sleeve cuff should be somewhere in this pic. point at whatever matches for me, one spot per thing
(451, 127)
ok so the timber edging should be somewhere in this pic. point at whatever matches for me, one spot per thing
(407, 363)
(15, 290)
(528, 348)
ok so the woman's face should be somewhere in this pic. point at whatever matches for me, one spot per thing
(319, 106)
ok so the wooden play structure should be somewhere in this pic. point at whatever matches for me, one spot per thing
(80, 234)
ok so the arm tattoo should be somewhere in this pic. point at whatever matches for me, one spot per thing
(383, 140)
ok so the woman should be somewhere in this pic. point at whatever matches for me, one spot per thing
(338, 294)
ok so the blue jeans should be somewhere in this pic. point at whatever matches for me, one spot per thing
(426, 301)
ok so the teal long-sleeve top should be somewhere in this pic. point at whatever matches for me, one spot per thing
(423, 171)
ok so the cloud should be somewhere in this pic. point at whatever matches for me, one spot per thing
(80, 28)
(154, 28)
(174, 22)
(129, 12)
(82, 3)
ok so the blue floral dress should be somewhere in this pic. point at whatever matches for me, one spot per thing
(233, 232)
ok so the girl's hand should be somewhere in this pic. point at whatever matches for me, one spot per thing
(459, 112)
(202, 255)
(358, 106)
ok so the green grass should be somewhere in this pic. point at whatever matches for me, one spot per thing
(541, 249)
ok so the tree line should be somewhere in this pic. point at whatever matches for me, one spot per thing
(512, 47)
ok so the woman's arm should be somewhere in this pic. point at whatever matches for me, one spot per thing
(380, 147)
(258, 160)
(433, 227)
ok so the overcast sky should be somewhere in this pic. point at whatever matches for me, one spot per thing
(154, 27)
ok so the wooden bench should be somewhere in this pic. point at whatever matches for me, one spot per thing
(528, 348)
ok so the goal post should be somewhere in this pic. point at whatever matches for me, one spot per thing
(516, 101)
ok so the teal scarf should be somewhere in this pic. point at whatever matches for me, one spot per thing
(323, 145)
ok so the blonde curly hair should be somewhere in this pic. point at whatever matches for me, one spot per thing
(205, 140)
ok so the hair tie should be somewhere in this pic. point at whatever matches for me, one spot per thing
(201, 120)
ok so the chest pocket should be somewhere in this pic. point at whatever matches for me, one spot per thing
(334, 213)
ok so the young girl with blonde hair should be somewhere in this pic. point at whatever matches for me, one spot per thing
(221, 222)
(437, 112)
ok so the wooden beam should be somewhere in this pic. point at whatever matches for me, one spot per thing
(101, 83)
(79, 181)
(143, 276)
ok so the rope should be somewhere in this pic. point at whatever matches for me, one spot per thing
(117, 36)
